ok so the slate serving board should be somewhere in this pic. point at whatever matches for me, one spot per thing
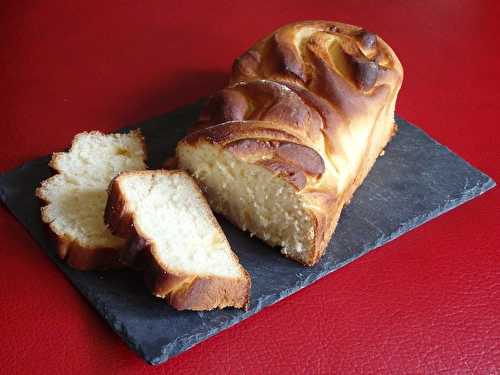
(417, 180)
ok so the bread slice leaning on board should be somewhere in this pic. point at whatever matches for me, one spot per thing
(174, 236)
(283, 147)
(76, 196)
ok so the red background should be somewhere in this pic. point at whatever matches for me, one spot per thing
(428, 302)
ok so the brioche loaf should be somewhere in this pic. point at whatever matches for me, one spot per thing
(76, 196)
(175, 237)
(284, 146)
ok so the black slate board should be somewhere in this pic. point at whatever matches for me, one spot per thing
(417, 180)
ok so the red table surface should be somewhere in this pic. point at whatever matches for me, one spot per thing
(428, 302)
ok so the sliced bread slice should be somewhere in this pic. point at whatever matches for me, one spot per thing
(175, 237)
(76, 196)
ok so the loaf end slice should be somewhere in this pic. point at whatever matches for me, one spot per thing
(75, 197)
(259, 198)
(174, 237)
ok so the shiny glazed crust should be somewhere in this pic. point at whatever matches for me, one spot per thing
(314, 104)
(182, 291)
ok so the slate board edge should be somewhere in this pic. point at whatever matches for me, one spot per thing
(172, 350)
(180, 345)
(491, 183)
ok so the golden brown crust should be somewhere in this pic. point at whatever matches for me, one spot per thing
(182, 291)
(77, 256)
(85, 258)
(297, 101)
(187, 292)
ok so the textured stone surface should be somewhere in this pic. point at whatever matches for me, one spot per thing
(417, 180)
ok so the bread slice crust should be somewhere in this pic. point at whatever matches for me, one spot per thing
(69, 248)
(182, 290)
